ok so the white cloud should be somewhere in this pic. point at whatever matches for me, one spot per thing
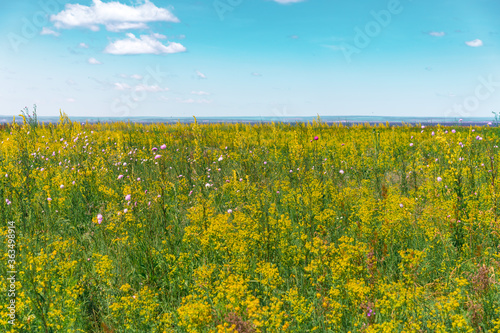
(83, 46)
(200, 75)
(139, 87)
(48, 31)
(154, 88)
(194, 101)
(287, 1)
(475, 43)
(144, 44)
(70, 100)
(256, 74)
(117, 27)
(121, 86)
(200, 93)
(437, 34)
(113, 15)
(94, 61)
(136, 76)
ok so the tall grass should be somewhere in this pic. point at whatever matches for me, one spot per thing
(240, 228)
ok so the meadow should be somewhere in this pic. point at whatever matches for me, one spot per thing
(250, 228)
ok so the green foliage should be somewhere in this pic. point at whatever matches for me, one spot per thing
(240, 228)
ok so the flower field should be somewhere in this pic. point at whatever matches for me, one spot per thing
(250, 228)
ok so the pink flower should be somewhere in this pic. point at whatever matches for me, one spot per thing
(128, 197)
(411, 144)
(49, 199)
(229, 211)
(341, 172)
(401, 205)
(99, 218)
(316, 138)
(125, 211)
(157, 157)
(163, 146)
(439, 179)
(154, 149)
(120, 176)
(62, 186)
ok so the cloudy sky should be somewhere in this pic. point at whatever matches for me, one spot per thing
(178, 58)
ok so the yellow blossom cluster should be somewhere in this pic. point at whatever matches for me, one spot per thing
(123, 227)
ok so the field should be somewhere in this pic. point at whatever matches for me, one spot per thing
(238, 228)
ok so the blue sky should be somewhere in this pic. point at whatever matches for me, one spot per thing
(278, 58)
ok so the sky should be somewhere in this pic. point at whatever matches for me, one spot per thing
(267, 58)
